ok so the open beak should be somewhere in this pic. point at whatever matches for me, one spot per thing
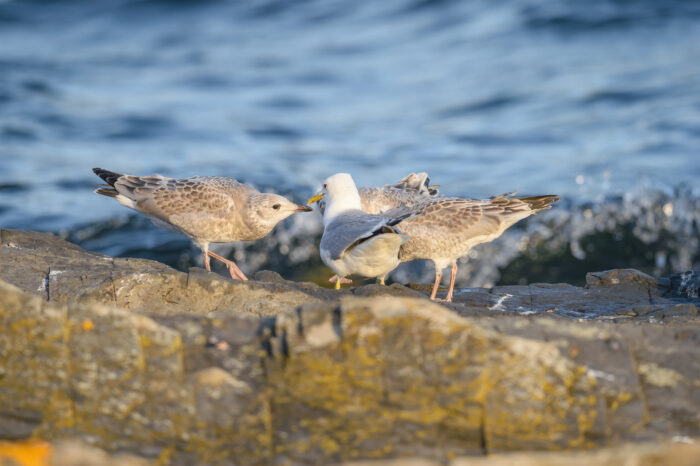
(303, 208)
(315, 198)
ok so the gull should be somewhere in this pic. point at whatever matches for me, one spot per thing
(444, 229)
(353, 241)
(207, 209)
(412, 189)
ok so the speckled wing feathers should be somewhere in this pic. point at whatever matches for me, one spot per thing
(168, 196)
(447, 228)
(410, 190)
(203, 208)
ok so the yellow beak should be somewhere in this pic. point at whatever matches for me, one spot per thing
(315, 198)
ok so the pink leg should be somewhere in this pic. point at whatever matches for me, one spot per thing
(453, 277)
(343, 280)
(438, 277)
(205, 258)
(233, 269)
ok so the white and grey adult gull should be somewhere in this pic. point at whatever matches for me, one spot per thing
(355, 242)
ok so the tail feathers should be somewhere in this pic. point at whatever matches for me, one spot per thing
(108, 176)
(109, 192)
(540, 202)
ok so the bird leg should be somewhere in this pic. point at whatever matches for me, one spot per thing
(438, 277)
(343, 280)
(381, 282)
(337, 283)
(205, 258)
(453, 277)
(233, 269)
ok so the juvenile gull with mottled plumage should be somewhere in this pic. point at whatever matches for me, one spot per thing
(206, 209)
(444, 229)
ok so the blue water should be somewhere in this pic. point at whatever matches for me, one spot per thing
(592, 100)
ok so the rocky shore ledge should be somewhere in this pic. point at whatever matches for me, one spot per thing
(130, 356)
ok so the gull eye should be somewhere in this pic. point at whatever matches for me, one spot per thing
(325, 186)
(276, 207)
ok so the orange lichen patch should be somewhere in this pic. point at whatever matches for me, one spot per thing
(88, 325)
(29, 453)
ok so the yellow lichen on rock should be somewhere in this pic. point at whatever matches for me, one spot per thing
(30, 453)
(408, 363)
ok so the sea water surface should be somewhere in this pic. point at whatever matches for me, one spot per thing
(598, 101)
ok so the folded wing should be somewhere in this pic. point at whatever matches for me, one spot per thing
(351, 229)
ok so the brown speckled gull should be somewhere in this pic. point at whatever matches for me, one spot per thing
(444, 229)
(206, 209)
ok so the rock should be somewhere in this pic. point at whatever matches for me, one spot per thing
(62, 453)
(193, 368)
(73, 453)
(394, 289)
(302, 387)
(616, 294)
(622, 277)
(460, 388)
(394, 462)
(268, 276)
(43, 264)
(665, 454)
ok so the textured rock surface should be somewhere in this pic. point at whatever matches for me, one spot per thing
(72, 453)
(189, 368)
(666, 454)
(43, 264)
(614, 294)
(61, 453)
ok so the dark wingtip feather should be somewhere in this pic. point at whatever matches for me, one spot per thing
(109, 177)
(541, 202)
(395, 221)
(109, 192)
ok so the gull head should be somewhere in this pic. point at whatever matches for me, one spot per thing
(267, 210)
(340, 194)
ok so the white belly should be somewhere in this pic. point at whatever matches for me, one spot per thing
(374, 258)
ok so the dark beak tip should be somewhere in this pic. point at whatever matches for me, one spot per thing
(304, 208)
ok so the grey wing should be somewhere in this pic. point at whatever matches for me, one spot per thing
(348, 230)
